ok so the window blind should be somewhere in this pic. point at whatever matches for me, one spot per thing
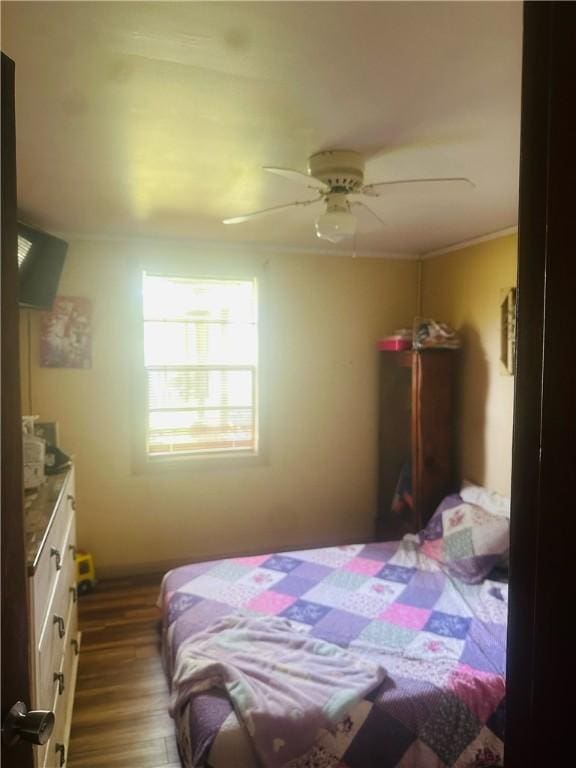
(200, 356)
(24, 247)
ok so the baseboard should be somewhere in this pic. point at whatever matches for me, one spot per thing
(123, 570)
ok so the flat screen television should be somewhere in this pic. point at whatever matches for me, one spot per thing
(40, 261)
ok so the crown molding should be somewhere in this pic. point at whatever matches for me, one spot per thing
(474, 241)
(211, 246)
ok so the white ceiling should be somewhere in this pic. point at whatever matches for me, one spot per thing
(154, 119)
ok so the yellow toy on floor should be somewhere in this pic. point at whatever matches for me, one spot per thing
(85, 573)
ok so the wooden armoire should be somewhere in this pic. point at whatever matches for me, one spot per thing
(417, 436)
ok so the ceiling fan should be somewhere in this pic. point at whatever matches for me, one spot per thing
(337, 175)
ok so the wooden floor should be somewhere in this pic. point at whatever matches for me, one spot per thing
(121, 706)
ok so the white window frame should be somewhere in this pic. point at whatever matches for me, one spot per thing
(143, 461)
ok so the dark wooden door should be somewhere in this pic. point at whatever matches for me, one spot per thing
(541, 662)
(15, 675)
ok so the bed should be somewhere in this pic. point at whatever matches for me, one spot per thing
(428, 606)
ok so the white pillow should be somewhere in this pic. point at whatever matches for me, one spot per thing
(491, 501)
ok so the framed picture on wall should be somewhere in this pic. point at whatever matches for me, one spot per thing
(508, 331)
(66, 334)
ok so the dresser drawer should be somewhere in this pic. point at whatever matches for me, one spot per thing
(58, 751)
(69, 647)
(53, 559)
(60, 615)
(72, 647)
(53, 618)
(41, 754)
(50, 755)
(65, 578)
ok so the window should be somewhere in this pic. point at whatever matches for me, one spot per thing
(201, 358)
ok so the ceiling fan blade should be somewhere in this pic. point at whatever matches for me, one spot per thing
(437, 142)
(367, 207)
(299, 178)
(370, 189)
(254, 214)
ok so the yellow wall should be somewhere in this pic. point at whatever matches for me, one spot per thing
(464, 288)
(319, 482)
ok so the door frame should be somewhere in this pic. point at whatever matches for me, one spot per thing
(15, 638)
(538, 723)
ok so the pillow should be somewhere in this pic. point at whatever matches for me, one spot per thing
(465, 539)
(491, 501)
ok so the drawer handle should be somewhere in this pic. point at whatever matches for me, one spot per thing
(59, 678)
(61, 628)
(73, 591)
(61, 750)
(72, 501)
(74, 644)
(72, 548)
(56, 554)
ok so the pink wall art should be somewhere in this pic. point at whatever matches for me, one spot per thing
(66, 334)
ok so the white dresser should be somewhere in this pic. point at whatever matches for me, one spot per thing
(50, 526)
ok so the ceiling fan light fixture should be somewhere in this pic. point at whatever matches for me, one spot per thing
(335, 226)
(338, 222)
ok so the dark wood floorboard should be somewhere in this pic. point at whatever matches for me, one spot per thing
(120, 715)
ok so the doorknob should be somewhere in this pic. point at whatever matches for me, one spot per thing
(35, 726)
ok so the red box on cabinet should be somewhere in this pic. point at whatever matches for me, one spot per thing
(393, 344)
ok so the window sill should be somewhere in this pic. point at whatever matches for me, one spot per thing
(200, 462)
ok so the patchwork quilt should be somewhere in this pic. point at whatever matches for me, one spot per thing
(284, 685)
(442, 642)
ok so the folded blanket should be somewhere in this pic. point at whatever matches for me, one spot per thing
(284, 685)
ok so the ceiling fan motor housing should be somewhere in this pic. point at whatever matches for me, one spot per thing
(341, 169)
